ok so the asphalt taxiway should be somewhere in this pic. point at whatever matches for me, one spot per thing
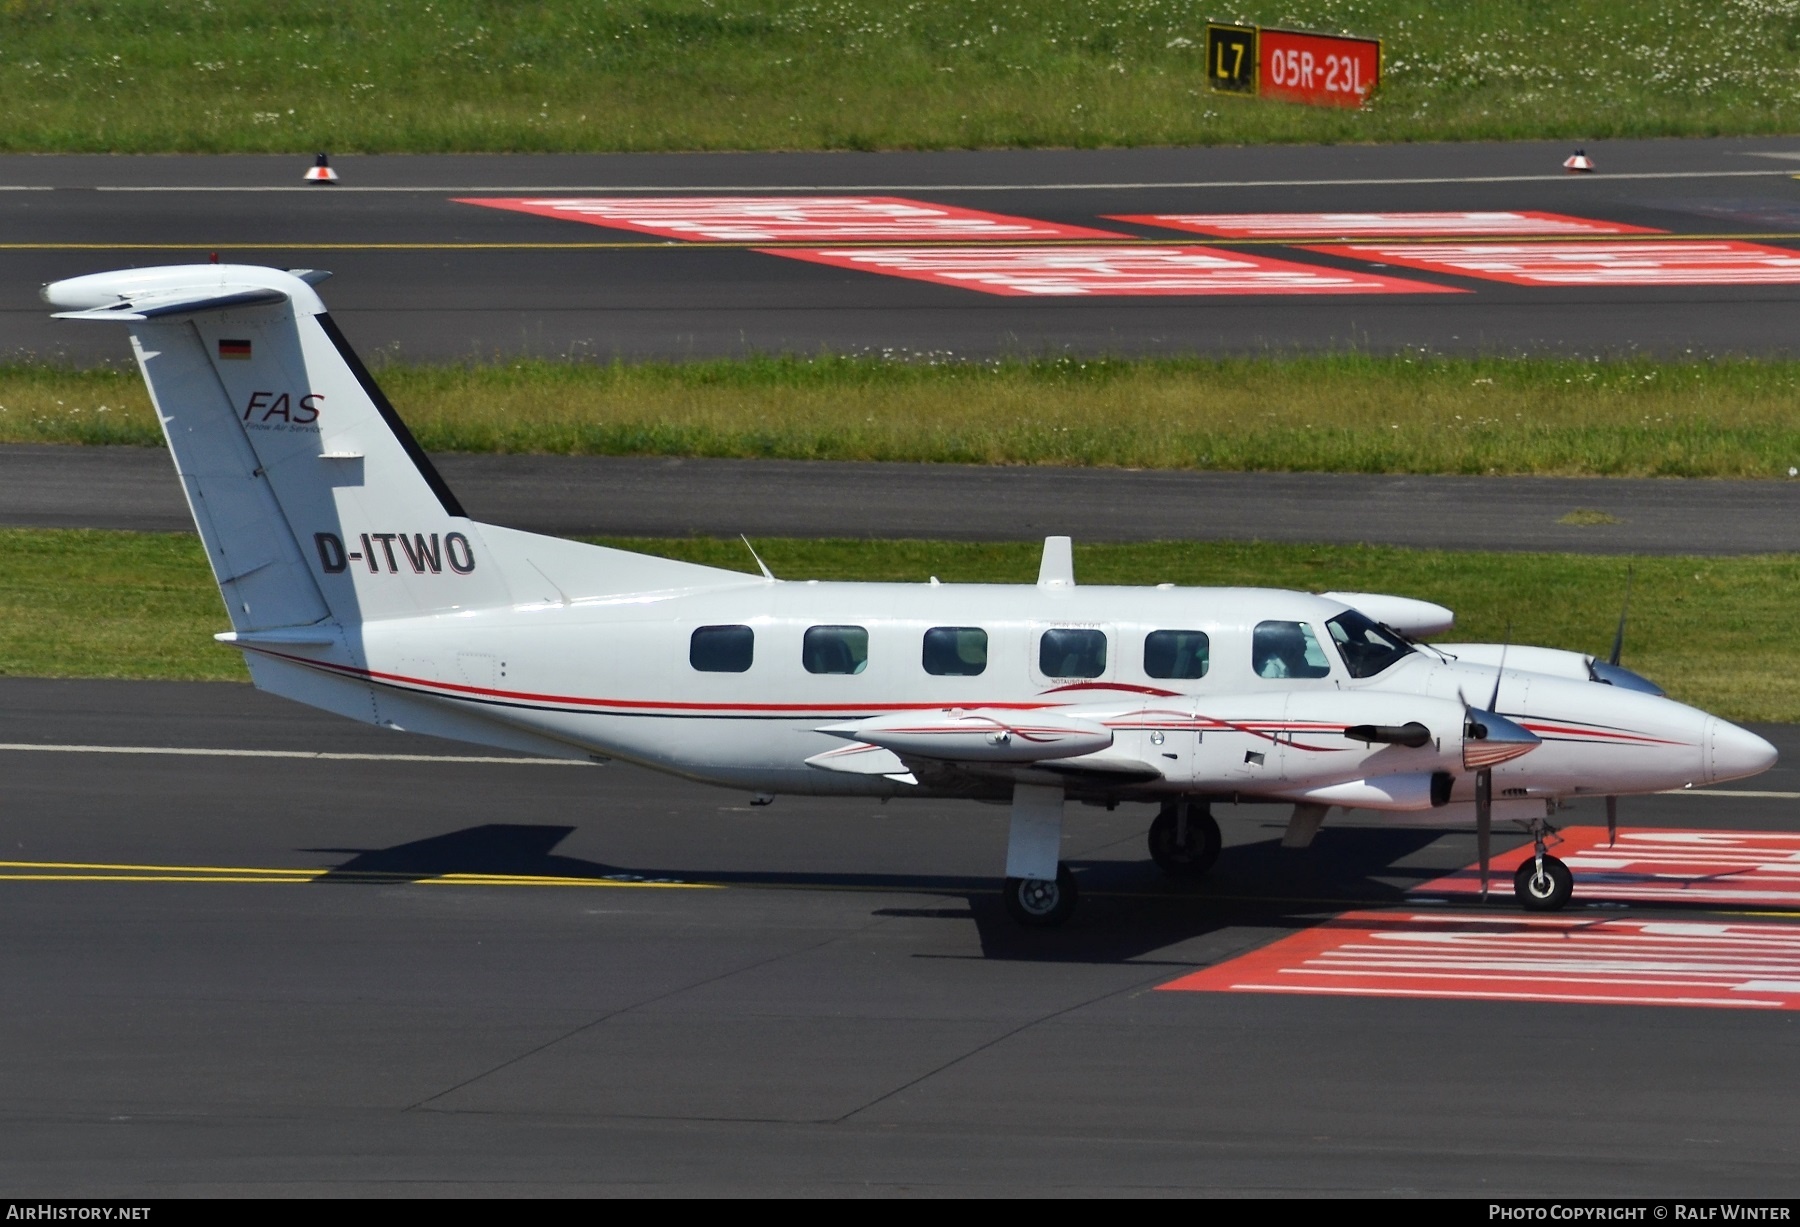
(135, 489)
(268, 974)
(420, 276)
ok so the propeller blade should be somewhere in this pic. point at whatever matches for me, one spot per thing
(1619, 635)
(1612, 821)
(1494, 699)
(1484, 823)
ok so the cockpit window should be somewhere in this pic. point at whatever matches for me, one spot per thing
(1367, 647)
(1287, 649)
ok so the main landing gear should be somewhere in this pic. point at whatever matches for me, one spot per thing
(1039, 891)
(1042, 904)
(1543, 883)
(1184, 839)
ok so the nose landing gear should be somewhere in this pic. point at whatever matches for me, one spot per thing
(1543, 883)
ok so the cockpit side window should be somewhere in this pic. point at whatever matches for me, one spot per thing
(1366, 646)
(1287, 649)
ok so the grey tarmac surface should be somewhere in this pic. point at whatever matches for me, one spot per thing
(135, 488)
(847, 1012)
(422, 277)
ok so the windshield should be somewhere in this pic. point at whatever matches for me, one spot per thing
(1366, 646)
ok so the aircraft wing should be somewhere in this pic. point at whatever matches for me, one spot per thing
(1027, 746)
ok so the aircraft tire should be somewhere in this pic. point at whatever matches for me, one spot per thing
(1042, 905)
(1550, 895)
(1193, 861)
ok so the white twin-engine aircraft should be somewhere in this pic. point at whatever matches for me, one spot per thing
(355, 583)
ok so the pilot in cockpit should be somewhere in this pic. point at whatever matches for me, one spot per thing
(1286, 649)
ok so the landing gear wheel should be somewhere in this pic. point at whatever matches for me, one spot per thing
(1547, 893)
(1042, 905)
(1189, 859)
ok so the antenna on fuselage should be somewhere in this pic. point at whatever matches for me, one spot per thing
(1057, 568)
(760, 564)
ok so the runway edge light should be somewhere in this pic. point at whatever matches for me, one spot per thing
(1577, 163)
(321, 171)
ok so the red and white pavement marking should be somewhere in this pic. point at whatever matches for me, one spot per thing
(779, 219)
(1746, 868)
(1043, 272)
(1376, 225)
(1651, 262)
(1752, 965)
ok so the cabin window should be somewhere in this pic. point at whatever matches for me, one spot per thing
(1066, 651)
(835, 649)
(1287, 649)
(1366, 646)
(1178, 654)
(722, 649)
(955, 651)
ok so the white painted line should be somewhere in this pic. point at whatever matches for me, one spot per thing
(1728, 792)
(664, 188)
(1096, 270)
(777, 219)
(13, 187)
(307, 754)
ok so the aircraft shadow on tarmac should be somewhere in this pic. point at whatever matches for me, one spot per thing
(1129, 908)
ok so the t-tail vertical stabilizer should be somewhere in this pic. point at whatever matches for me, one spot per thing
(319, 511)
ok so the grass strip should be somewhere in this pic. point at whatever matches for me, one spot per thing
(468, 75)
(1345, 413)
(1715, 631)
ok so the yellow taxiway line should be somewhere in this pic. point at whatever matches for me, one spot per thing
(85, 871)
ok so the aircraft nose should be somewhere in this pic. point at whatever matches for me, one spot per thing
(1733, 753)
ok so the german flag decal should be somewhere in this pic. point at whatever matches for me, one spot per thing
(233, 349)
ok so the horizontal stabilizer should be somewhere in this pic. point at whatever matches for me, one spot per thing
(283, 637)
(156, 305)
